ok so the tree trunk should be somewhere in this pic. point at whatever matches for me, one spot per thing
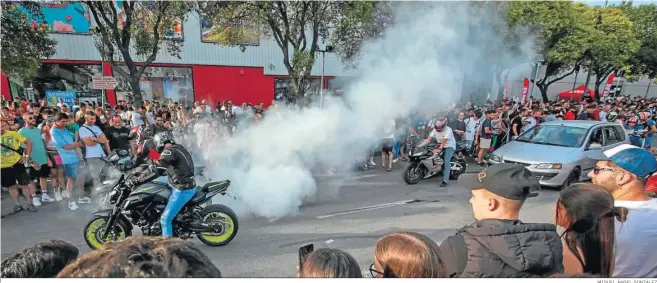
(543, 89)
(136, 93)
(597, 87)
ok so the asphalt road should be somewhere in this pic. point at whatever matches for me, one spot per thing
(349, 213)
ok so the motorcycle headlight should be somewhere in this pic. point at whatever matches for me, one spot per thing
(495, 158)
(549, 166)
(113, 195)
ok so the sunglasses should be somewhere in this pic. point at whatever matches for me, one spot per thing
(596, 169)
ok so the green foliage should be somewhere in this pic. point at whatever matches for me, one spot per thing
(644, 61)
(23, 47)
(562, 37)
(298, 27)
(138, 26)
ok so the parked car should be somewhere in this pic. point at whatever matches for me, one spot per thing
(556, 152)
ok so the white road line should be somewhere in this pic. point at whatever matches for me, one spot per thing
(366, 176)
(365, 208)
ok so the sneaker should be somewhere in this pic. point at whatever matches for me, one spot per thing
(36, 201)
(58, 195)
(371, 163)
(17, 208)
(31, 207)
(65, 194)
(46, 198)
(395, 160)
(443, 184)
(72, 205)
(84, 200)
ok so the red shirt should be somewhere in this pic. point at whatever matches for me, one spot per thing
(569, 116)
(596, 114)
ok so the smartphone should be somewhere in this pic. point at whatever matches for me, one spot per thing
(304, 251)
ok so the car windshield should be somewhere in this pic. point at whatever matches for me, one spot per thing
(556, 135)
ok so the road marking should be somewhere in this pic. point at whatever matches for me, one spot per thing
(367, 176)
(366, 208)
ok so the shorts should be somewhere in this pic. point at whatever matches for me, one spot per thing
(387, 145)
(56, 160)
(71, 170)
(43, 172)
(484, 143)
(15, 174)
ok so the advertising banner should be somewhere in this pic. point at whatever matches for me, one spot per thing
(610, 82)
(61, 17)
(66, 96)
(239, 34)
(525, 90)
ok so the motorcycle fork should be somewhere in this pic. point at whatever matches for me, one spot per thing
(110, 222)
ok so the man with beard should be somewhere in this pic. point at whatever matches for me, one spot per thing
(38, 156)
(623, 171)
(119, 136)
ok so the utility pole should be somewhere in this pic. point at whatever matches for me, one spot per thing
(329, 48)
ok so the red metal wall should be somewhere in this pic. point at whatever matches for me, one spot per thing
(238, 84)
(6, 90)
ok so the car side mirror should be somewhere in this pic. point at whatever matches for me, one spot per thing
(595, 146)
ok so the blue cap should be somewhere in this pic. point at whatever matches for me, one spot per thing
(635, 160)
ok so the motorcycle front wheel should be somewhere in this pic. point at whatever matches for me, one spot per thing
(224, 222)
(94, 229)
(413, 173)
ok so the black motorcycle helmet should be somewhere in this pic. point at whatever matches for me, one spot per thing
(162, 138)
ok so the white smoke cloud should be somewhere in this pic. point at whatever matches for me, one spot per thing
(417, 66)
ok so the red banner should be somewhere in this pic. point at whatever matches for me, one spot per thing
(525, 90)
(610, 81)
(506, 90)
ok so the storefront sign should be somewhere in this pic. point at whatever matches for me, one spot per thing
(67, 96)
(103, 82)
(525, 90)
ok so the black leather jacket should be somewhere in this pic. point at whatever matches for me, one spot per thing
(178, 164)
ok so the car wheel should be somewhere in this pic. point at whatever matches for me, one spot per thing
(572, 178)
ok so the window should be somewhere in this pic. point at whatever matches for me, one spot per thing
(611, 137)
(620, 132)
(160, 84)
(67, 77)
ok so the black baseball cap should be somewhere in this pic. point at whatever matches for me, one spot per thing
(510, 181)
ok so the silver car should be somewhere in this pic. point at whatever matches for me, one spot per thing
(556, 152)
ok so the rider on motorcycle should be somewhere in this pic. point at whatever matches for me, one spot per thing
(180, 170)
(443, 134)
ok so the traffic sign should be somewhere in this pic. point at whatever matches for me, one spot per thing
(103, 82)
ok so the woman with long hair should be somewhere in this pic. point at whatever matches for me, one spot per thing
(407, 255)
(587, 213)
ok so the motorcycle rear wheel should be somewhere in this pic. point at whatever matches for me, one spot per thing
(94, 229)
(222, 217)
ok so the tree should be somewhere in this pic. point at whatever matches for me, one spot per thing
(614, 42)
(24, 43)
(136, 27)
(562, 38)
(644, 61)
(298, 27)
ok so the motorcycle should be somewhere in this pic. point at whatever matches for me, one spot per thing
(424, 164)
(213, 224)
(118, 160)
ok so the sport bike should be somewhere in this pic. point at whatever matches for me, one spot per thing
(424, 164)
(213, 224)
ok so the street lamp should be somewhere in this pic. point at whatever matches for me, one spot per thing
(539, 61)
(329, 48)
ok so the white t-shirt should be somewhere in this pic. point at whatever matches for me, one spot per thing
(470, 128)
(136, 119)
(389, 129)
(445, 133)
(97, 149)
(531, 124)
(636, 240)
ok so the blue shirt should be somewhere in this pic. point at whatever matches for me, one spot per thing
(638, 141)
(61, 138)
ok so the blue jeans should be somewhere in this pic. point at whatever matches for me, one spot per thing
(395, 149)
(177, 200)
(448, 152)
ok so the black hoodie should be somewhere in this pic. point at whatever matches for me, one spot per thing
(504, 248)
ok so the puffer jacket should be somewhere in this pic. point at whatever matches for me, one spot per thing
(505, 248)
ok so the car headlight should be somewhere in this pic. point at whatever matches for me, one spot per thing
(495, 158)
(549, 166)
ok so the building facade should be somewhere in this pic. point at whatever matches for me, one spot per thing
(206, 69)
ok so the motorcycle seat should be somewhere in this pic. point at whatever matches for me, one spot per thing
(215, 185)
